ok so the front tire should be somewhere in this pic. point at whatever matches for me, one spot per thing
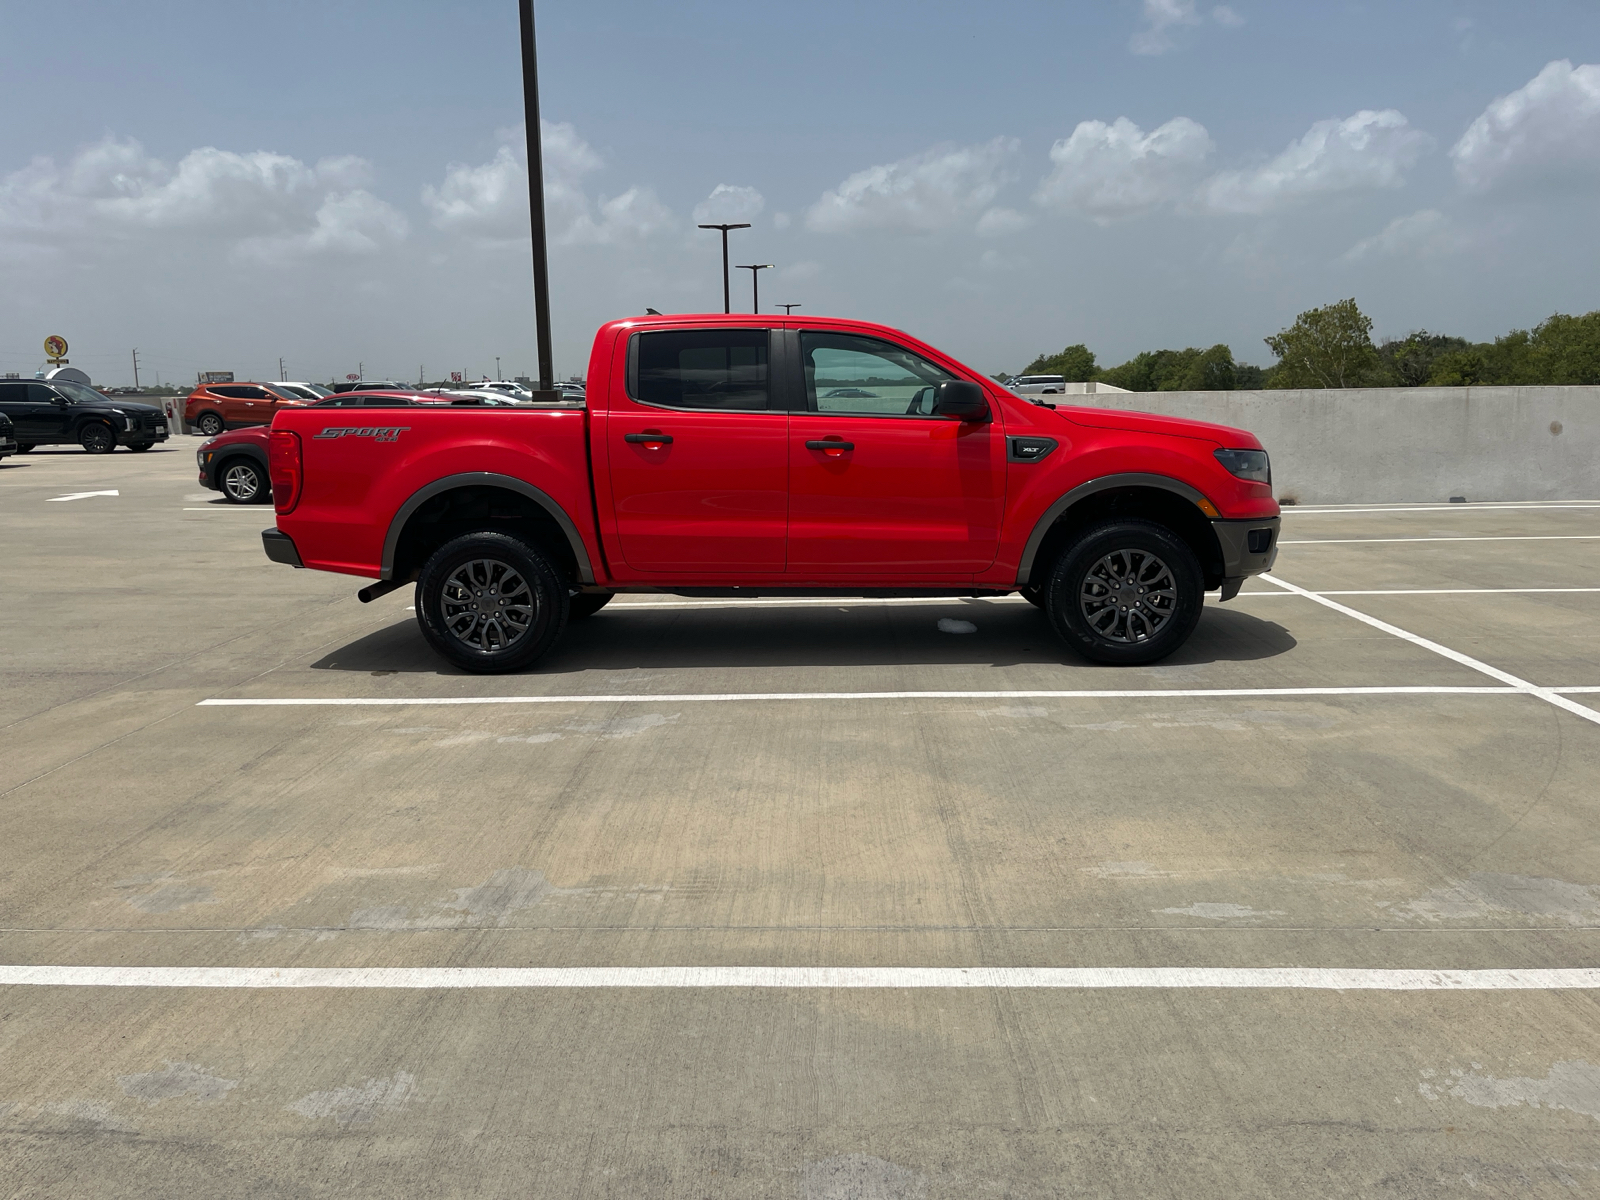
(490, 603)
(244, 483)
(1125, 593)
(209, 424)
(97, 438)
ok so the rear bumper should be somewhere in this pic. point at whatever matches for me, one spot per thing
(280, 547)
(1248, 548)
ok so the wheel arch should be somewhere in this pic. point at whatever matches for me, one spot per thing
(1134, 494)
(449, 506)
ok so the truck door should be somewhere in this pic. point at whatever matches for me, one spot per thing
(697, 453)
(877, 484)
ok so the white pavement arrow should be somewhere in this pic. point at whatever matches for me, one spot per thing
(81, 496)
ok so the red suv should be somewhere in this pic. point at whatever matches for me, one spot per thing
(213, 407)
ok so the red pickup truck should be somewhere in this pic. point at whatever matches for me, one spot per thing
(751, 455)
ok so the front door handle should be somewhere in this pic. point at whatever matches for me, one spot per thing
(826, 444)
(646, 439)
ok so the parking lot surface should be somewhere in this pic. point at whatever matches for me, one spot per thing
(818, 899)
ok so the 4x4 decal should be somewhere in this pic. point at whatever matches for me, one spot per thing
(383, 433)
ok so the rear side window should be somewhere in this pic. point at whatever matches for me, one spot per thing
(701, 368)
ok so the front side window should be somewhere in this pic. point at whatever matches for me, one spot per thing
(701, 369)
(867, 376)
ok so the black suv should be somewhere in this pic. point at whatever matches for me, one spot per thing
(8, 441)
(60, 412)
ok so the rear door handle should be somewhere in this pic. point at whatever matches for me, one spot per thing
(824, 444)
(642, 439)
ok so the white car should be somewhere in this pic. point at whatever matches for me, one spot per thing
(1038, 385)
(305, 391)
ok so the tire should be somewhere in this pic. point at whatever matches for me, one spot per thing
(1085, 585)
(586, 604)
(209, 424)
(25, 447)
(97, 438)
(141, 447)
(243, 482)
(469, 571)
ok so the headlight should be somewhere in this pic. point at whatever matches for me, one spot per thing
(1246, 464)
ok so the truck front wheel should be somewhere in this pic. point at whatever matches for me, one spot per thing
(1126, 593)
(490, 603)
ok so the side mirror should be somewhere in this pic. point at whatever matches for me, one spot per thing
(962, 400)
(60, 401)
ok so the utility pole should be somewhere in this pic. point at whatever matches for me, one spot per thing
(726, 307)
(786, 308)
(420, 370)
(497, 374)
(136, 370)
(361, 370)
(755, 270)
(541, 259)
(282, 374)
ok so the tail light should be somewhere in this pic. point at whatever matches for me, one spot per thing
(285, 466)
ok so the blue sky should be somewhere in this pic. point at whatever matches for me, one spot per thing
(337, 183)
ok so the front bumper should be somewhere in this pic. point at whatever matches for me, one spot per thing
(1248, 548)
(280, 547)
(7, 446)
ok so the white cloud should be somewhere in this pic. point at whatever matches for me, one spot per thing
(489, 202)
(781, 220)
(1547, 131)
(262, 205)
(1159, 17)
(1368, 150)
(997, 222)
(925, 192)
(727, 203)
(1117, 170)
(1425, 234)
(1223, 15)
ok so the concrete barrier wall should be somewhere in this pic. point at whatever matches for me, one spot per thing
(1383, 445)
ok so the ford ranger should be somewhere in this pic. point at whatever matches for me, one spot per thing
(752, 455)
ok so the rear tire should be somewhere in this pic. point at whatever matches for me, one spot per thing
(97, 438)
(1125, 593)
(490, 603)
(243, 482)
(586, 604)
(209, 424)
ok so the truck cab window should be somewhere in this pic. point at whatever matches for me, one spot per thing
(867, 377)
(701, 369)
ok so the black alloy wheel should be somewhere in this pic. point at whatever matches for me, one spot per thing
(1126, 593)
(491, 603)
(97, 438)
(141, 447)
(243, 482)
(586, 604)
(209, 424)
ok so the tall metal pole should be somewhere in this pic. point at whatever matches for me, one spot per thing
(726, 301)
(755, 270)
(541, 261)
(787, 307)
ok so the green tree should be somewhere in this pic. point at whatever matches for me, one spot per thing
(1410, 361)
(1567, 349)
(1328, 347)
(1074, 364)
(1212, 370)
(1511, 359)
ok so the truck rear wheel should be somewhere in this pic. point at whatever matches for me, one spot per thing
(1126, 593)
(490, 603)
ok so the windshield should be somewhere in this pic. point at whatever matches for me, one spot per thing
(284, 392)
(316, 389)
(78, 393)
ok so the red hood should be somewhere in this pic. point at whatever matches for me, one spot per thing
(251, 433)
(1143, 422)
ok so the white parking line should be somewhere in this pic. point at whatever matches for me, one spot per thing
(742, 697)
(1510, 505)
(81, 496)
(1440, 592)
(1549, 695)
(1342, 979)
(1541, 537)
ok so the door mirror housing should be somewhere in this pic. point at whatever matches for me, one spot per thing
(962, 400)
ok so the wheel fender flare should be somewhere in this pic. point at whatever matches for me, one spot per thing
(1084, 490)
(391, 542)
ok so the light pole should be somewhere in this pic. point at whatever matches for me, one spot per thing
(787, 307)
(755, 270)
(726, 305)
(541, 261)
(497, 367)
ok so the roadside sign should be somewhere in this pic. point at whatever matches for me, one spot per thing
(55, 348)
(352, 378)
(216, 376)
